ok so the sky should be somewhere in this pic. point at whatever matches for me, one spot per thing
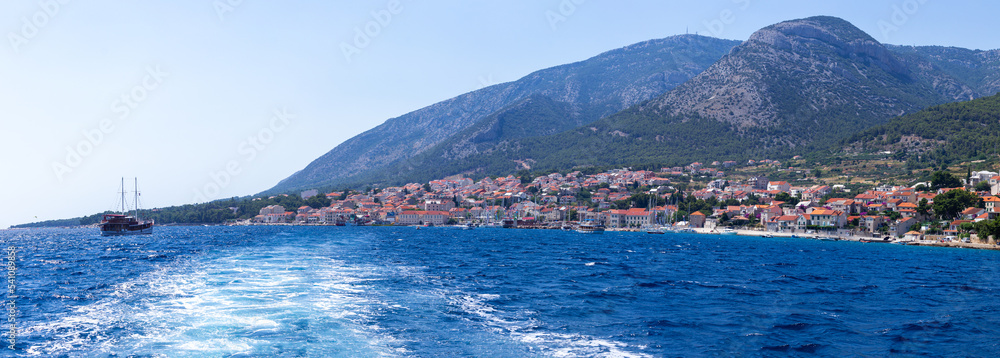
(204, 100)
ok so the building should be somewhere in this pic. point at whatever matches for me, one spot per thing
(438, 205)
(901, 227)
(828, 218)
(781, 186)
(638, 217)
(422, 217)
(696, 219)
(871, 223)
(309, 193)
(783, 223)
(758, 183)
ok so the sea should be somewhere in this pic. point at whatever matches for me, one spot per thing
(285, 291)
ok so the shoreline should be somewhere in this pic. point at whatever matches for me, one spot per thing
(930, 243)
(700, 231)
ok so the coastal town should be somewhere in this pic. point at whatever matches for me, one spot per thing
(671, 198)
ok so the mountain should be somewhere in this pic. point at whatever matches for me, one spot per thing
(978, 69)
(569, 96)
(944, 134)
(791, 88)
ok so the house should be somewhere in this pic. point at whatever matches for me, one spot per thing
(769, 212)
(866, 198)
(828, 218)
(956, 225)
(272, 214)
(912, 236)
(871, 223)
(892, 204)
(902, 226)
(785, 222)
(816, 192)
(972, 213)
(843, 204)
(906, 195)
(780, 186)
(758, 183)
(980, 176)
(991, 203)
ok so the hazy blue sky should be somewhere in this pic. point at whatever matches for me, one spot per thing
(177, 88)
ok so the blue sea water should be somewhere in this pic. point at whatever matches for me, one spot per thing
(400, 292)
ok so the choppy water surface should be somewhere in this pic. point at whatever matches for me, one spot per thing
(388, 292)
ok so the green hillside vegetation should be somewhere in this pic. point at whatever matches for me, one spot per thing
(940, 135)
(215, 212)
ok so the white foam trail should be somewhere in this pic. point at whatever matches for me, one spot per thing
(238, 304)
(556, 344)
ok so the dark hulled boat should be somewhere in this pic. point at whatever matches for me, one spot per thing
(118, 224)
(123, 224)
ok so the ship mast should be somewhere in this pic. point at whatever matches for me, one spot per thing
(123, 195)
(136, 199)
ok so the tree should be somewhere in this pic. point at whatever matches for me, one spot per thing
(983, 186)
(923, 208)
(949, 204)
(787, 198)
(427, 187)
(943, 179)
(724, 219)
(967, 227)
(894, 215)
(987, 228)
(318, 201)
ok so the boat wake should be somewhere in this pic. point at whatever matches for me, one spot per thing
(248, 304)
(524, 329)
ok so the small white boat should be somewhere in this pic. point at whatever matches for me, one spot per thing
(728, 232)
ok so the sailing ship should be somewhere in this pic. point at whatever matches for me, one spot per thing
(124, 224)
